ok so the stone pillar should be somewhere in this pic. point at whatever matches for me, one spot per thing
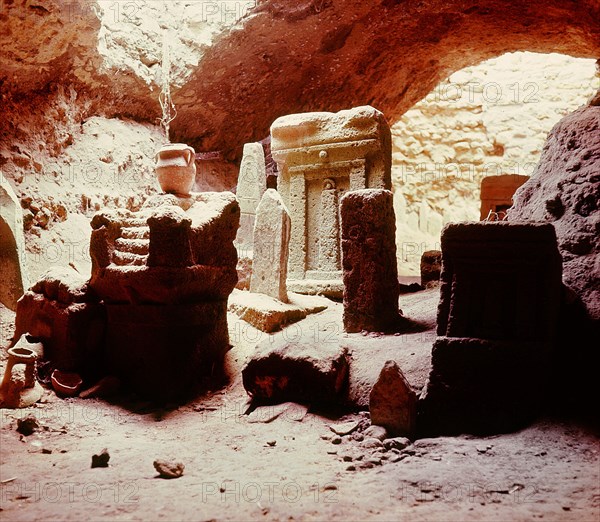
(271, 246)
(13, 266)
(371, 287)
(252, 183)
(320, 156)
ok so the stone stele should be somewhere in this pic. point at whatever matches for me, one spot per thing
(371, 286)
(321, 155)
(271, 246)
(252, 183)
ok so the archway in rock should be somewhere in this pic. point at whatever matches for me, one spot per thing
(330, 55)
(482, 122)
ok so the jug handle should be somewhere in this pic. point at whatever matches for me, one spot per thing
(191, 155)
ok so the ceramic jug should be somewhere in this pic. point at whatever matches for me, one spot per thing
(176, 168)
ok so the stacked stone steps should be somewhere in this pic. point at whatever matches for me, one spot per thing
(127, 258)
(133, 245)
(140, 232)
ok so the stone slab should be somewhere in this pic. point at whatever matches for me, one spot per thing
(270, 315)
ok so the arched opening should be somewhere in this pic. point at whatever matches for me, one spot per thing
(482, 122)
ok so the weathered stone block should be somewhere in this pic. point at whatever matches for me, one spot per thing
(163, 351)
(164, 274)
(500, 299)
(189, 262)
(271, 247)
(482, 386)
(269, 314)
(499, 281)
(280, 371)
(431, 268)
(371, 287)
(61, 311)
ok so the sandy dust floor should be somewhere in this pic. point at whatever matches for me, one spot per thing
(282, 470)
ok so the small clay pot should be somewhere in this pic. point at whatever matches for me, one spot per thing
(176, 168)
(66, 384)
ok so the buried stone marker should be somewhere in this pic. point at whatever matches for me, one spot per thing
(393, 403)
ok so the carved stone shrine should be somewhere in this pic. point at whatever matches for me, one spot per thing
(320, 156)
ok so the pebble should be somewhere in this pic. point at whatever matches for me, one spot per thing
(398, 443)
(371, 442)
(101, 460)
(344, 428)
(377, 432)
(336, 440)
(28, 425)
(168, 470)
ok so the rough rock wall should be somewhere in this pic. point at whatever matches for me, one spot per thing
(485, 120)
(334, 54)
(281, 58)
(565, 191)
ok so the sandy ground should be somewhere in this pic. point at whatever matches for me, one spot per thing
(287, 469)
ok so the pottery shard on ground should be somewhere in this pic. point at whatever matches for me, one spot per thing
(393, 403)
(371, 288)
(303, 372)
(271, 244)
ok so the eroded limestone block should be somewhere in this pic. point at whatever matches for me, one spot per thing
(481, 386)
(500, 281)
(393, 403)
(13, 265)
(163, 351)
(431, 267)
(251, 185)
(320, 156)
(164, 255)
(164, 274)
(371, 288)
(280, 371)
(269, 314)
(497, 322)
(271, 247)
(63, 312)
